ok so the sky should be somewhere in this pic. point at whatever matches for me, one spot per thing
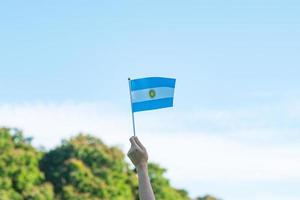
(234, 129)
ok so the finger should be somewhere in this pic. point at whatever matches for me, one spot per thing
(133, 143)
(139, 143)
(132, 152)
(129, 153)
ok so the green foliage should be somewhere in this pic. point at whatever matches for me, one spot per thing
(161, 186)
(207, 197)
(82, 168)
(85, 168)
(20, 176)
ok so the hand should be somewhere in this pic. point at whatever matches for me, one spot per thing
(137, 153)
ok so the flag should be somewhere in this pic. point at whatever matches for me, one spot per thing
(151, 93)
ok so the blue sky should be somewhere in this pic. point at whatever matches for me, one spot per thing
(236, 65)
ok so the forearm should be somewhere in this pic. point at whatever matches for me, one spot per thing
(145, 189)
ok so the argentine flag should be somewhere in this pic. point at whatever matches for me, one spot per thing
(151, 93)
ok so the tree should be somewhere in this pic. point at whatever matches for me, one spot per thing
(20, 176)
(161, 185)
(207, 197)
(85, 168)
(82, 168)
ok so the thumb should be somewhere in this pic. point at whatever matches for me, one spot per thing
(133, 142)
(137, 141)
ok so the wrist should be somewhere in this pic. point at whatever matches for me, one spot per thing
(142, 166)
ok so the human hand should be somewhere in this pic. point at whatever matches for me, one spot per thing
(137, 153)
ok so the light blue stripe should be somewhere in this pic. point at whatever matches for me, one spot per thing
(152, 82)
(160, 93)
(153, 104)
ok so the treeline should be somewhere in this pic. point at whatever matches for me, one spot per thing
(82, 168)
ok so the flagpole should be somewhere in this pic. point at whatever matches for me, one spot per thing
(132, 113)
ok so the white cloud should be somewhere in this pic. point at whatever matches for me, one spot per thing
(50, 123)
(190, 156)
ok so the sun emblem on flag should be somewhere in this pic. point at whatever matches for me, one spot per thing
(152, 93)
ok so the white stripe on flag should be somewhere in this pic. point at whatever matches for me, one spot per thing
(144, 95)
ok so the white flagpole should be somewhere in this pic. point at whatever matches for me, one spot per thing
(132, 113)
